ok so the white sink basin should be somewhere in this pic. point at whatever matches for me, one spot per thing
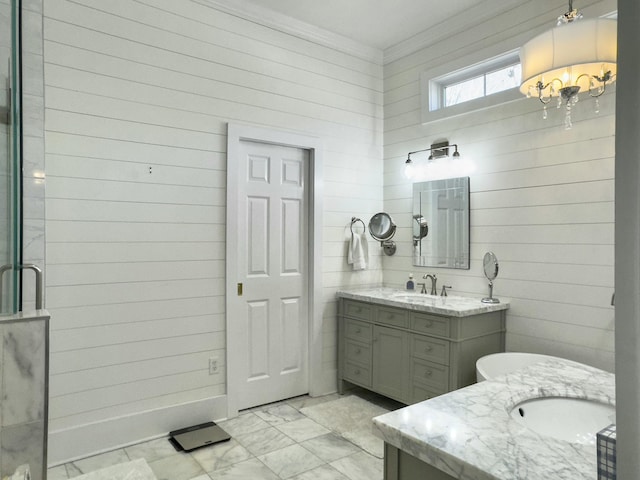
(574, 420)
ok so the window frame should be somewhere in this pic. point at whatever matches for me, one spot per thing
(432, 89)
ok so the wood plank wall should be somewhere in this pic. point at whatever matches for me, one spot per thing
(138, 96)
(542, 197)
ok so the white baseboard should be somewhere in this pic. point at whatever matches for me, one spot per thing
(99, 437)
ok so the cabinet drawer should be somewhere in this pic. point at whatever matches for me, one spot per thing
(420, 393)
(357, 352)
(393, 317)
(357, 374)
(430, 324)
(357, 309)
(358, 330)
(431, 349)
(430, 374)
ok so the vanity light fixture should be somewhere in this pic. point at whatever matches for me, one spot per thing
(438, 165)
(577, 55)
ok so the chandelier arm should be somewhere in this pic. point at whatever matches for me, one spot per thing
(590, 77)
(542, 100)
(541, 87)
(601, 90)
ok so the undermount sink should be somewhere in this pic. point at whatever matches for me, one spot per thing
(451, 299)
(574, 420)
(412, 295)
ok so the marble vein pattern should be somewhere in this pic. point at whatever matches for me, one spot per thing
(324, 472)
(264, 441)
(452, 306)
(23, 366)
(469, 434)
(97, 462)
(23, 392)
(279, 414)
(134, 470)
(176, 467)
(222, 455)
(301, 430)
(290, 461)
(260, 450)
(350, 417)
(359, 466)
(252, 468)
(330, 447)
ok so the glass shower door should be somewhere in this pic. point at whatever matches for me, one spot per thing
(10, 158)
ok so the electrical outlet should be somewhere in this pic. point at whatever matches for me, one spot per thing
(213, 365)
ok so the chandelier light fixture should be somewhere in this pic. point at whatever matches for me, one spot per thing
(578, 55)
(438, 164)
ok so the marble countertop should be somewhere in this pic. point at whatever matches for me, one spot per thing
(469, 434)
(452, 305)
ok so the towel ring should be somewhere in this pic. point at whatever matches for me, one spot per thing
(355, 220)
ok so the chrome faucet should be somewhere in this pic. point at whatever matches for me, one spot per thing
(434, 281)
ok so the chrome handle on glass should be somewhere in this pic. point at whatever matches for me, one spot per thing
(28, 266)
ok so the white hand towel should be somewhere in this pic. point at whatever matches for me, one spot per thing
(357, 252)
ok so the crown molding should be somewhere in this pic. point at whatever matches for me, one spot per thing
(471, 16)
(306, 31)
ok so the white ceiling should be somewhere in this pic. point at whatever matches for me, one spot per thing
(375, 23)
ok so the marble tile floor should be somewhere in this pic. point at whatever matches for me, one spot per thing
(271, 442)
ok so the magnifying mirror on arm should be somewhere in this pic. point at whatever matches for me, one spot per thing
(382, 228)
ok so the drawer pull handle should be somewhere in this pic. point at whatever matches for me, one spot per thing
(428, 348)
(391, 316)
(428, 324)
(428, 373)
(357, 372)
(358, 330)
(358, 351)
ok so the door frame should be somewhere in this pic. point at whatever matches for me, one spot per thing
(237, 133)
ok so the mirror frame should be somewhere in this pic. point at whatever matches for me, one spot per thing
(458, 226)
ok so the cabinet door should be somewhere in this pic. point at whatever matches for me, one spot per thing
(390, 362)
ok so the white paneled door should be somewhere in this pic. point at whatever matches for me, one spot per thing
(272, 282)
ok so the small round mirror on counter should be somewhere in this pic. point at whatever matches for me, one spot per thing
(382, 228)
(490, 267)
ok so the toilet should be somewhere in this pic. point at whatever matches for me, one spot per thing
(491, 366)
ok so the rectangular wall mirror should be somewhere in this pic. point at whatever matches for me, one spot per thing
(441, 223)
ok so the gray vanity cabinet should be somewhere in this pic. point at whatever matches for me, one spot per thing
(410, 355)
(389, 367)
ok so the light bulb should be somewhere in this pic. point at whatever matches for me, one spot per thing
(409, 170)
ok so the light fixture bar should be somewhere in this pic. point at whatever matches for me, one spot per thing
(437, 150)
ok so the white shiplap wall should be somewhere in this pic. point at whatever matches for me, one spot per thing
(542, 198)
(138, 96)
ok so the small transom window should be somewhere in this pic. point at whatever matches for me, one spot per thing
(482, 85)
